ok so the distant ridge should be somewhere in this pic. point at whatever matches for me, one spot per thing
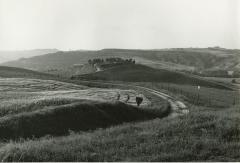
(200, 60)
(13, 72)
(6, 56)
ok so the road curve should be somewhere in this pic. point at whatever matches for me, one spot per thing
(178, 108)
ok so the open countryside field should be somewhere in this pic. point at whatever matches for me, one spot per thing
(119, 81)
(203, 96)
(186, 59)
(141, 73)
(18, 94)
(233, 81)
(35, 107)
(38, 114)
(210, 132)
(50, 118)
(204, 134)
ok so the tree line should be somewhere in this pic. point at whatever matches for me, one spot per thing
(110, 60)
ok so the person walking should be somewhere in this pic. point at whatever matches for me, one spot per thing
(128, 97)
(118, 96)
(139, 100)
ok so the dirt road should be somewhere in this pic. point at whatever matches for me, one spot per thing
(178, 108)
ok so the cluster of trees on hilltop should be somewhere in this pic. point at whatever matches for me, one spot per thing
(110, 61)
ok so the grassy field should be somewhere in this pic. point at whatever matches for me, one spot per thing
(205, 96)
(35, 107)
(18, 94)
(203, 135)
(141, 73)
(22, 73)
(79, 116)
(236, 82)
(48, 120)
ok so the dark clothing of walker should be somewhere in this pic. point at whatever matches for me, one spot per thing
(118, 97)
(139, 100)
(128, 97)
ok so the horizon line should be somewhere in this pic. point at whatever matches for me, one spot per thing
(114, 48)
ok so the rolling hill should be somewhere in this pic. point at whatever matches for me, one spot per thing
(199, 60)
(13, 72)
(141, 73)
(36, 107)
(6, 56)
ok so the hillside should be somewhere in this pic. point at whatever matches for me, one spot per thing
(141, 73)
(35, 107)
(206, 134)
(21, 94)
(198, 60)
(58, 120)
(6, 56)
(13, 72)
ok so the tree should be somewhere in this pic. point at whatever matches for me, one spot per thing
(90, 61)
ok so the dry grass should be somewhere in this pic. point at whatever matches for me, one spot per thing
(210, 97)
(24, 95)
(207, 133)
(83, 115)
(203, 135)
(33, 107)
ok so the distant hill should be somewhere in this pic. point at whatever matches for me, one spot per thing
(76, 69)
(197, 60)
(3, 59)
(13, 72)
(141, 73)
(6, 56)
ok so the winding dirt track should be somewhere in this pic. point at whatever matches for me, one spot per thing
(178, 108)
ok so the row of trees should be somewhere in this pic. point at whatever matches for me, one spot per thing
(110, 60)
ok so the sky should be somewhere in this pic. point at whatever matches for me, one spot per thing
(128, 24)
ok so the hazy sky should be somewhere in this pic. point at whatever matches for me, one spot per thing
(96, 24)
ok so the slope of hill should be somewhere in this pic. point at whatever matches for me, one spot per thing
(141, 73)
(13, 72)
(6, 56)
(76, 69)
(23, 95)
(58, 120)
(206, 134)
(35, 107)
(187, 59)
(3, 59)
(58, 60)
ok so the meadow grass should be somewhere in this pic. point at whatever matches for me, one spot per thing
(210, 132)
(34, 107)
(205, 96)
(202, 135)
(141, 73)
(25, 95)
(27, 105)
(83, 115)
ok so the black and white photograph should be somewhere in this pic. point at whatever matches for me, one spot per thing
(120, 80)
